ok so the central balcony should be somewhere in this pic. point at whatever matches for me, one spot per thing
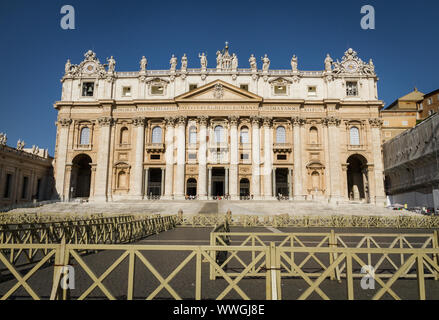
(155, 147)
(282, 147)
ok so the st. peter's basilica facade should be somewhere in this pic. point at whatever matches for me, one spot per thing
(220, 133)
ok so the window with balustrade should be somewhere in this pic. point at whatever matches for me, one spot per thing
(281, 136)
(156, 135)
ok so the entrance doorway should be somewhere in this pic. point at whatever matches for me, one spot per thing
(357, 176)
(282, 183)
(218, 182)
(81, 177)
(191, 188)
(244, 189)
(154, 183)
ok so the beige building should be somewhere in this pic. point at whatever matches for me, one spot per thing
(429, 105)
(401, 115)
(411, 165)
(205, 133)
(25, 174)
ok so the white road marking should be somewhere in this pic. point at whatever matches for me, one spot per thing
(274, 230)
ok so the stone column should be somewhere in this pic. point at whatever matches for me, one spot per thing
(226, 183)
(380, 197)
(169, 155)
(137, 173)
(162, 185)
(181, 158)
(345, 192)
(274, 183)
(146, 180)
(202, 158)
(334, 164)
(297, 156)
(101, 180)
(234, 194)
(256, 161)
(209, 184)
(290, 186)
(61, 157)
(268, 163)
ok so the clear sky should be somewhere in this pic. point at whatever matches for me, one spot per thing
(34, 48)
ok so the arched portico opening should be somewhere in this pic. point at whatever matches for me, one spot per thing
(81, 177)
(191, 188)
(357, 175)
(244, 189)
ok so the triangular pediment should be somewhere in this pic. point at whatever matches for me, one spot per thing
(219, 91)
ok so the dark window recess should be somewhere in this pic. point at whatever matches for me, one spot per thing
(244, 156)
(281, 157)
(88, 89)
(155, 157)
(192, 87)
(192, 156)
(24, 188)
(244, 87)
(38, 189)
(8, 186)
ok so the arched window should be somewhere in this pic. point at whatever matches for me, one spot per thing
(192, 135)
(354, 136)
(124, 136)
(315, 180)
(85, 136)
(313, 136)
(219, 134)
(243, 138)
(280, 135)
(157, 135)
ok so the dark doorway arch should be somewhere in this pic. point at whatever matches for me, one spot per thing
(244, 188)
(357, 175)
(81, 176)
(191, 187)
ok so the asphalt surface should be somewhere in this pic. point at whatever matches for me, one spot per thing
(184, 282)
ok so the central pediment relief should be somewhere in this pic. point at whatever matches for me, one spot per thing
(218, 91)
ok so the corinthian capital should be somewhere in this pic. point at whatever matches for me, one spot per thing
(203, 120)
(139, 122)
(64, 122)
(105, 121)
(331, 121)
(255, 120)
(267, 121)
(181, 120)
(298, 121)
(170, 121)
(233, 120)
(376, 123)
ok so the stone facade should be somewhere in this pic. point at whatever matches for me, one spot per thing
(220, 132)
(26, 174)
(411, 165)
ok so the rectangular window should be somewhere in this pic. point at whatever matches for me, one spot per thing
(281, 157)
(280, 89)
(8, 185)
(193, 87)
(192, 156)
(157, 90)
(430, 101)
(88, 89)
(244, 87)
(405, 123)
(312, 91)
(155, 157)
(244, 156)
(126, 91)
(352, 88)
(421, 106)
(24, 188)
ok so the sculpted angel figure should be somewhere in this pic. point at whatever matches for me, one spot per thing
(219, 59)
(203, 60)
(111, 64)
(184, 62)
(328, 63)
(234, 62)
(294, 63)
(143, 64)
(266, 63)
(173, 63)
(253, 64)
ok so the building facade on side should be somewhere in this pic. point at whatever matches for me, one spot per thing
(223, 132)
(411, 165)
(26, 175)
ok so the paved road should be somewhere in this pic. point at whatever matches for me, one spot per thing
(184, 282)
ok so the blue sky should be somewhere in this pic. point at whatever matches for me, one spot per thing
(404, 45)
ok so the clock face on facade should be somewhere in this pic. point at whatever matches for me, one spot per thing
(89, 68)
(351, 67)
